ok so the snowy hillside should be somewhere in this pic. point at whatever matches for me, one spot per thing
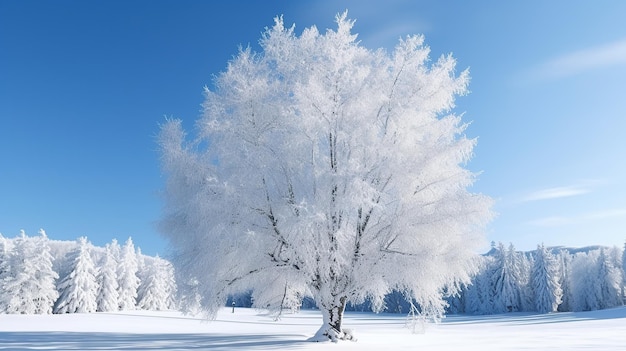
(246, 329)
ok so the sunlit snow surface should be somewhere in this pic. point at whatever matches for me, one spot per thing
(246, 329)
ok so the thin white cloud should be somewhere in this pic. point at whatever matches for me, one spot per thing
(611, 213)
(558, 221)
(557, 192)
(577, 62)
(554, 221)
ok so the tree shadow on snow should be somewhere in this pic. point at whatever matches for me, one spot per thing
(118, 341)
(528, 318)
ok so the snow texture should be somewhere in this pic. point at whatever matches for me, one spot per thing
(247, 330)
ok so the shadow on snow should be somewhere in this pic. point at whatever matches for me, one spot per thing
(119, 341)
(527, 318)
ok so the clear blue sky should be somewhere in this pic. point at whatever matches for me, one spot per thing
(85, 84)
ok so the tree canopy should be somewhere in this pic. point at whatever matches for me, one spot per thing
(321, 168)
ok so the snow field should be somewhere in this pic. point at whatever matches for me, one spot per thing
(247, 329)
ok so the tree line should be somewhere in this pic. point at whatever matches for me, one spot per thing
(42, 276)
(506, 280)
(544, 280)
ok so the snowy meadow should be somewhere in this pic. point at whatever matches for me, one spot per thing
(248, 329)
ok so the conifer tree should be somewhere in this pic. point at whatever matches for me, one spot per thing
(29, 288)
(623, 267)
(524, 264)
(108, 296)
(506, 280)
(79, 289)
(157, 288)
(564, 259)
(479, 297)
(4, 270)
(127, 279)
(585, 285)
(545, 281)
(609, 281)
(46, 276)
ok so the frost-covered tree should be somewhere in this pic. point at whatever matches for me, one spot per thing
(545, 281)
(524, 263)
(5, 250)
(142, 272)
(30, 288)
(79, 289)
(564, 259)
(45, 275)
(609, 281)
(116, 250)
(584, 281)
(157, 288)
(595, 281)
(478, 297)
(127, 279)
(188, 296)
(108, 296)
(325, 169)
(623, 266)
(506, 280)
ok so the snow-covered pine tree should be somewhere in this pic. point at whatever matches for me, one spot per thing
(585, 281)
(5, 272)
(545, 281)
(116, 250)
(157, 288)
(524, 263)
(624, 274)
(45, 276)
(609, 281)
(615, 254)
(564, 259)
(17, 295)
(143, 271)
(4, 267)
(479, 297)
(30, 288)
(319, 169)
(127, 279)
(108, 296)
(506, 280)
(171, 288)
(79, 289)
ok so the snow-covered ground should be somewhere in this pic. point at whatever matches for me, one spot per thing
(246, 329)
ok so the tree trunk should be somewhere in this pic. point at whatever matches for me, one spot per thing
(331, 328)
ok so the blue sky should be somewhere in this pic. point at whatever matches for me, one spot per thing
(85, 84)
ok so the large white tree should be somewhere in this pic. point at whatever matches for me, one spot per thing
(325, 169)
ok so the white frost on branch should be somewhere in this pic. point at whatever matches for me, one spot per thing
(321, 168)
